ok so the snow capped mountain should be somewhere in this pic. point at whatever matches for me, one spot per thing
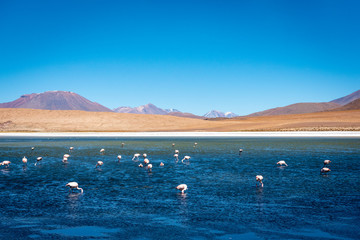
(218, 114)
(144, 109)
(214, 114)
(171, 110)
(230, 115)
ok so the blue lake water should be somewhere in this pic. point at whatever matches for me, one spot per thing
(123, 201)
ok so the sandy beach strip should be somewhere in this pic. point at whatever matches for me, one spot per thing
(347, 134)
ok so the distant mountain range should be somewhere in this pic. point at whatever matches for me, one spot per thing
(152, 109)
(298, 108)
(218, 114)
(348, 98)
(55, 100)
(63, 100)
(354, 105)
(144, 109)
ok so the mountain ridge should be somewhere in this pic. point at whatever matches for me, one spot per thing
(55, 100)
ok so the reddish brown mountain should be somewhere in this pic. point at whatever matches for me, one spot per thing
(354, 105)
(348, 98)
(297, 108)
(55, 100)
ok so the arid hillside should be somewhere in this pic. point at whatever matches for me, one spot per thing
(33, 120)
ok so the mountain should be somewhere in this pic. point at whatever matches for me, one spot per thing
(230, 115)
(347, 99)
(186, 115)
(144, 109)
(214, 114)
(297, 108)
(354, 105)
(152, 109)
(171, 110)
(55, 100)
(218, 114)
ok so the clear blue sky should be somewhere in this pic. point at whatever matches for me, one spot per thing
(239, 56)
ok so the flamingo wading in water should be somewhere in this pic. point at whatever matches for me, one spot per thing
(149, 167)
(325, 170)
(38, 160)
(187, 158)
(74, 185)
(182, 188)
(6, 163)
(281, 162)
(176, 156)
(136, 156)
(24, 160)
(326, 162)
(259, 179)
(99, 164)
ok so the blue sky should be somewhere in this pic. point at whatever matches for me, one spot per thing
(195, 56)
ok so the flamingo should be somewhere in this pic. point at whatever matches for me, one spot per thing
(259, 179)
(102, 151)
(176, 156)
(140, 165)
(176, 151)
(182, 188)
(161, 164)
(71, 148)
(99, 164)
(282, 162)
(24, 160)
(187, 158)
(240, 151)
(325, 170)
(119, 158)
(6, 163)
(136, 155)
(38, 160)
(66, 155)
(73, 185)
(122, 144)
(65, 159)
(32, 148)
(144, 155)
(149, 167)
(146, 161)
(326, 162)
(173, 144)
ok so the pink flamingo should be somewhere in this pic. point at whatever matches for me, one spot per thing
(182, 188)
(259, 179)
(99, 164)
(73, 185)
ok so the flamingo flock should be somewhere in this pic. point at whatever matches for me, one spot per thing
(182, 187)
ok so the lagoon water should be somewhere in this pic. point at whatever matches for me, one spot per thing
(123, 201)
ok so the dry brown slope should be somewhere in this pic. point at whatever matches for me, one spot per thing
(354, 105)
(81, 121)
(73, 120)
(297, 108)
